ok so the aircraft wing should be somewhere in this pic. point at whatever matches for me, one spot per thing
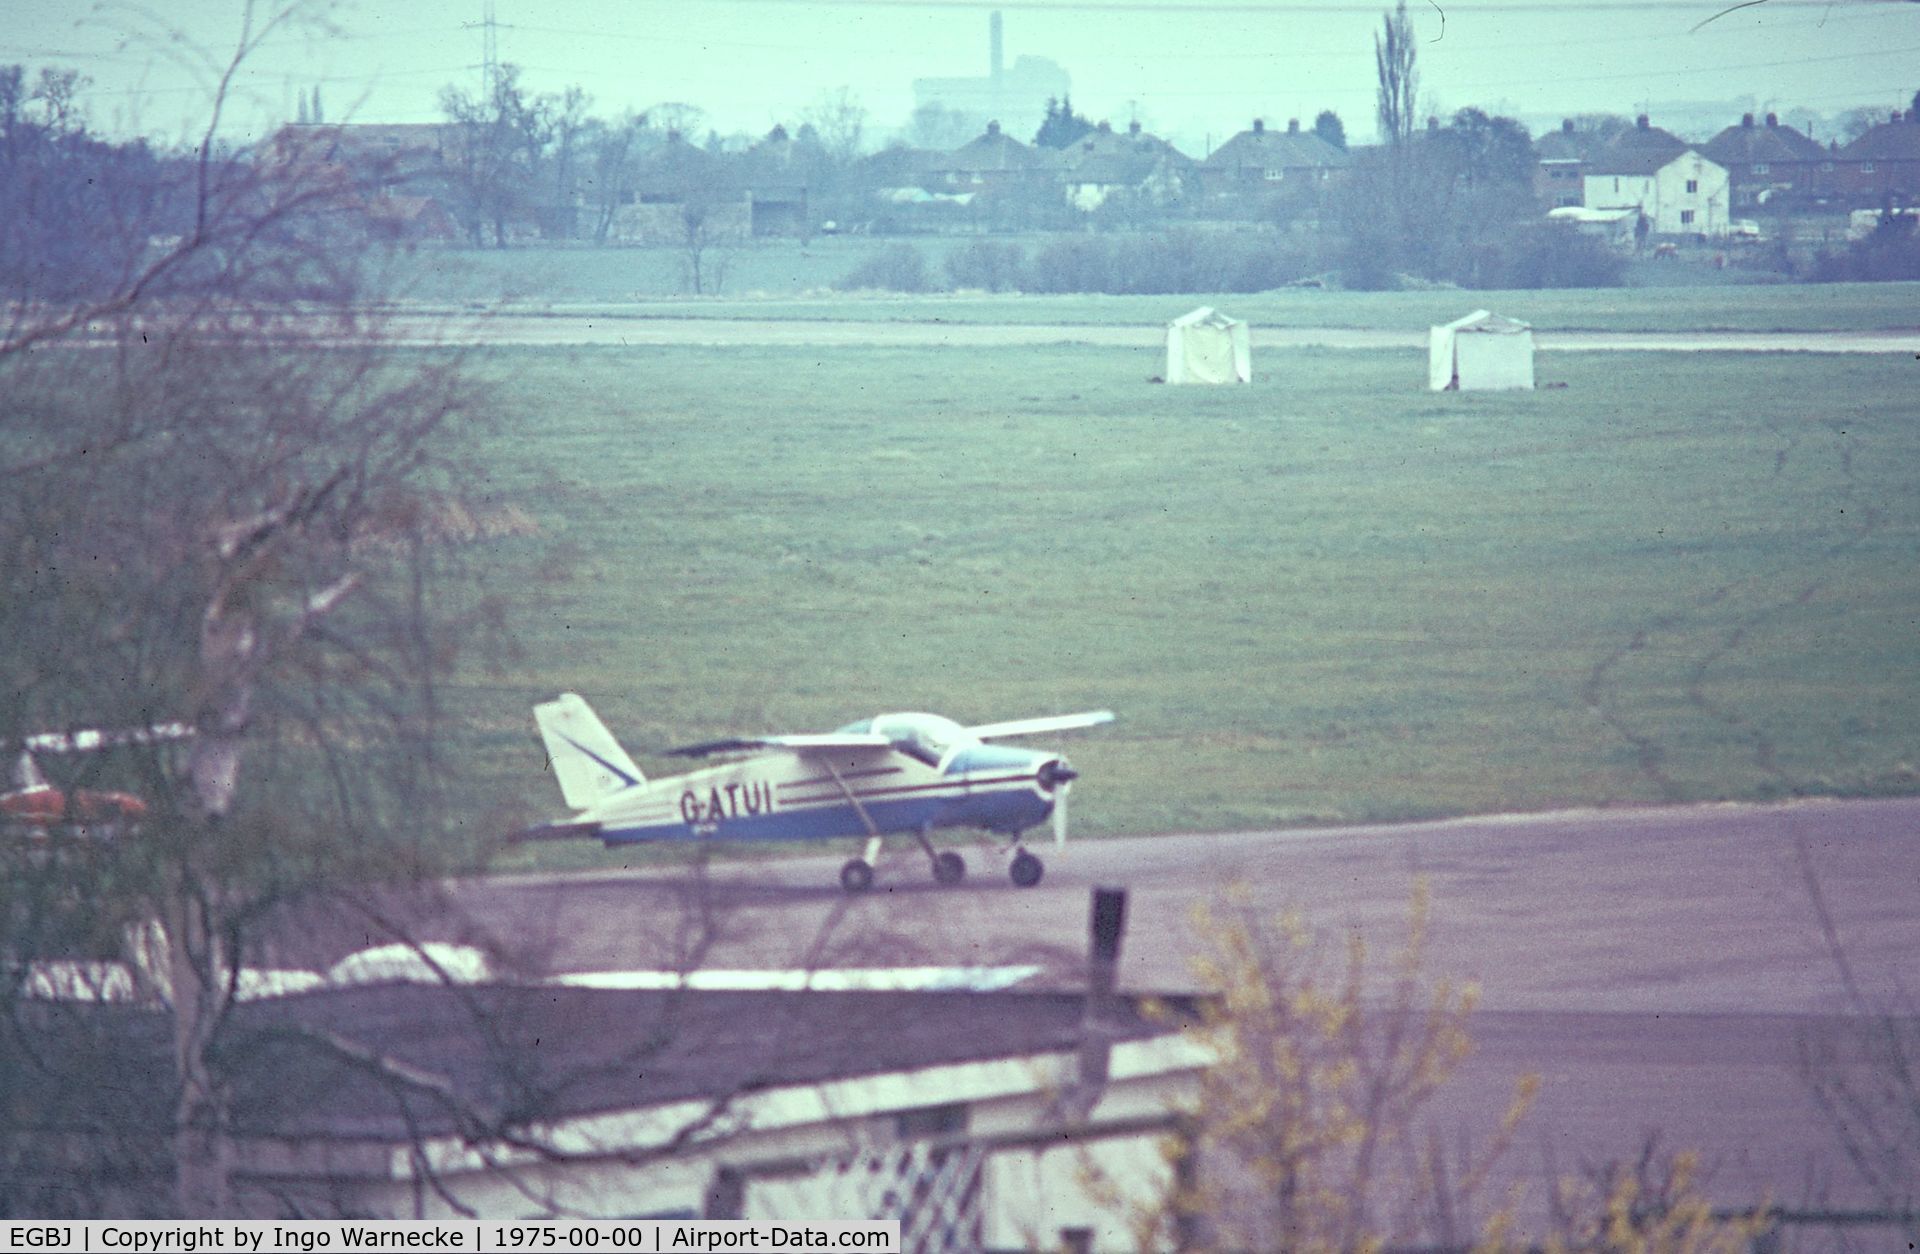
(555, 831)
(89, 740)
(801, 744)
(1035, 726)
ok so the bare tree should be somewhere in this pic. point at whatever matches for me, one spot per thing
(499, 144)
(233, 511)
(840, 120)
(706, 240)
(1864, 1074)
(1397, 78)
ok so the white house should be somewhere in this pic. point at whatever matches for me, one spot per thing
(1678, 191)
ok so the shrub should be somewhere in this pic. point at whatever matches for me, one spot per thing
(1891, 253)
(1552, 255)
(895, 268)
(1075, 264)
(985, 264)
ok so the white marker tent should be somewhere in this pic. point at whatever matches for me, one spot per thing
(1480, 352)
(1206, 346)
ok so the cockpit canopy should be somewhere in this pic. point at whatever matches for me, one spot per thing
(927, 737)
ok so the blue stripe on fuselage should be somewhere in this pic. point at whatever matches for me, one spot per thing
(1009, 810)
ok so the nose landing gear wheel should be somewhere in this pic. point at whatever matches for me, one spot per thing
(856, 876)
(1026, 869)
(949, 868)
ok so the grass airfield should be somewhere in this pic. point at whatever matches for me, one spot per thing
(1328, 597)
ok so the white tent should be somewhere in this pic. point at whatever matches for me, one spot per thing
(1208, 347)
(1481, 351)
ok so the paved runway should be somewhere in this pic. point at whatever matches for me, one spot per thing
(1684, 909)
(633, 330)
(1661, 969)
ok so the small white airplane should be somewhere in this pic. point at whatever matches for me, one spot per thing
(892, 775)
(33, 807)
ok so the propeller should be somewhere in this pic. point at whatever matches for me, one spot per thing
(1057, 778)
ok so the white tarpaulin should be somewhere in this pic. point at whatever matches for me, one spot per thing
(1481, 351)
(1206, 346)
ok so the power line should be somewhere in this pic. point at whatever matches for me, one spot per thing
(1284, 8)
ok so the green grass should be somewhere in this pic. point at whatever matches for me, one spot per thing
(1334, 597)
(786, 279)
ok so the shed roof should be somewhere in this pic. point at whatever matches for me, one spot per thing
(1484, 322)
(533, 1052)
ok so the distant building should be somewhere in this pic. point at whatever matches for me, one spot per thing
(1106, 163)
(1018, 95)
(1267, 163)
(1678, 191)
(1560, 172)
(991, 160)
(1770, 164)
(1882, 166)
(391, 151)
(399, 174)
(974, 1118)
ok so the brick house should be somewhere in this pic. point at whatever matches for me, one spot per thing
(1770, 164)
(1562, 158)
(399, 175)
(1882, 166)
(681, 192)
(1288, 166)
(1107, 162)
(991, 160)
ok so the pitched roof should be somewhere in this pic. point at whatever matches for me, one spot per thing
(1567, 144)
(678, 167)
(1889, 141)
(1645, 149)
(1746, 144)
(1290, 149)
(532, 1052)
(995, 150)
(1113, 169)
(1134, 142)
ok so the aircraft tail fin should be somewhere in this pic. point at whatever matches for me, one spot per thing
(589, 762)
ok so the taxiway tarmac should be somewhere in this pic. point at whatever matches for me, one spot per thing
(1664, 971)
(613, 328)
(1703, 909)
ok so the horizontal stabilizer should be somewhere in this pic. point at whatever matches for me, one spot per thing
(556, 831)
(1036, 726)
(801, 744)
(90, 740)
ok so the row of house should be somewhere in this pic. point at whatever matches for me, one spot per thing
(1757, 166)
(1643, 176)
(1105, 163)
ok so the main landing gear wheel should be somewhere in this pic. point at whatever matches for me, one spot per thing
(856, 876)
(949, 868)
(1026, 869)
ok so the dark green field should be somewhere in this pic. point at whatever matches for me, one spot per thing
(1330, 596)
(790, 279)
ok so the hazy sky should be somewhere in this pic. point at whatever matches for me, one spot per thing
(1196, 69)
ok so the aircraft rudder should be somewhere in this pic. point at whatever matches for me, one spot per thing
(589, 763)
